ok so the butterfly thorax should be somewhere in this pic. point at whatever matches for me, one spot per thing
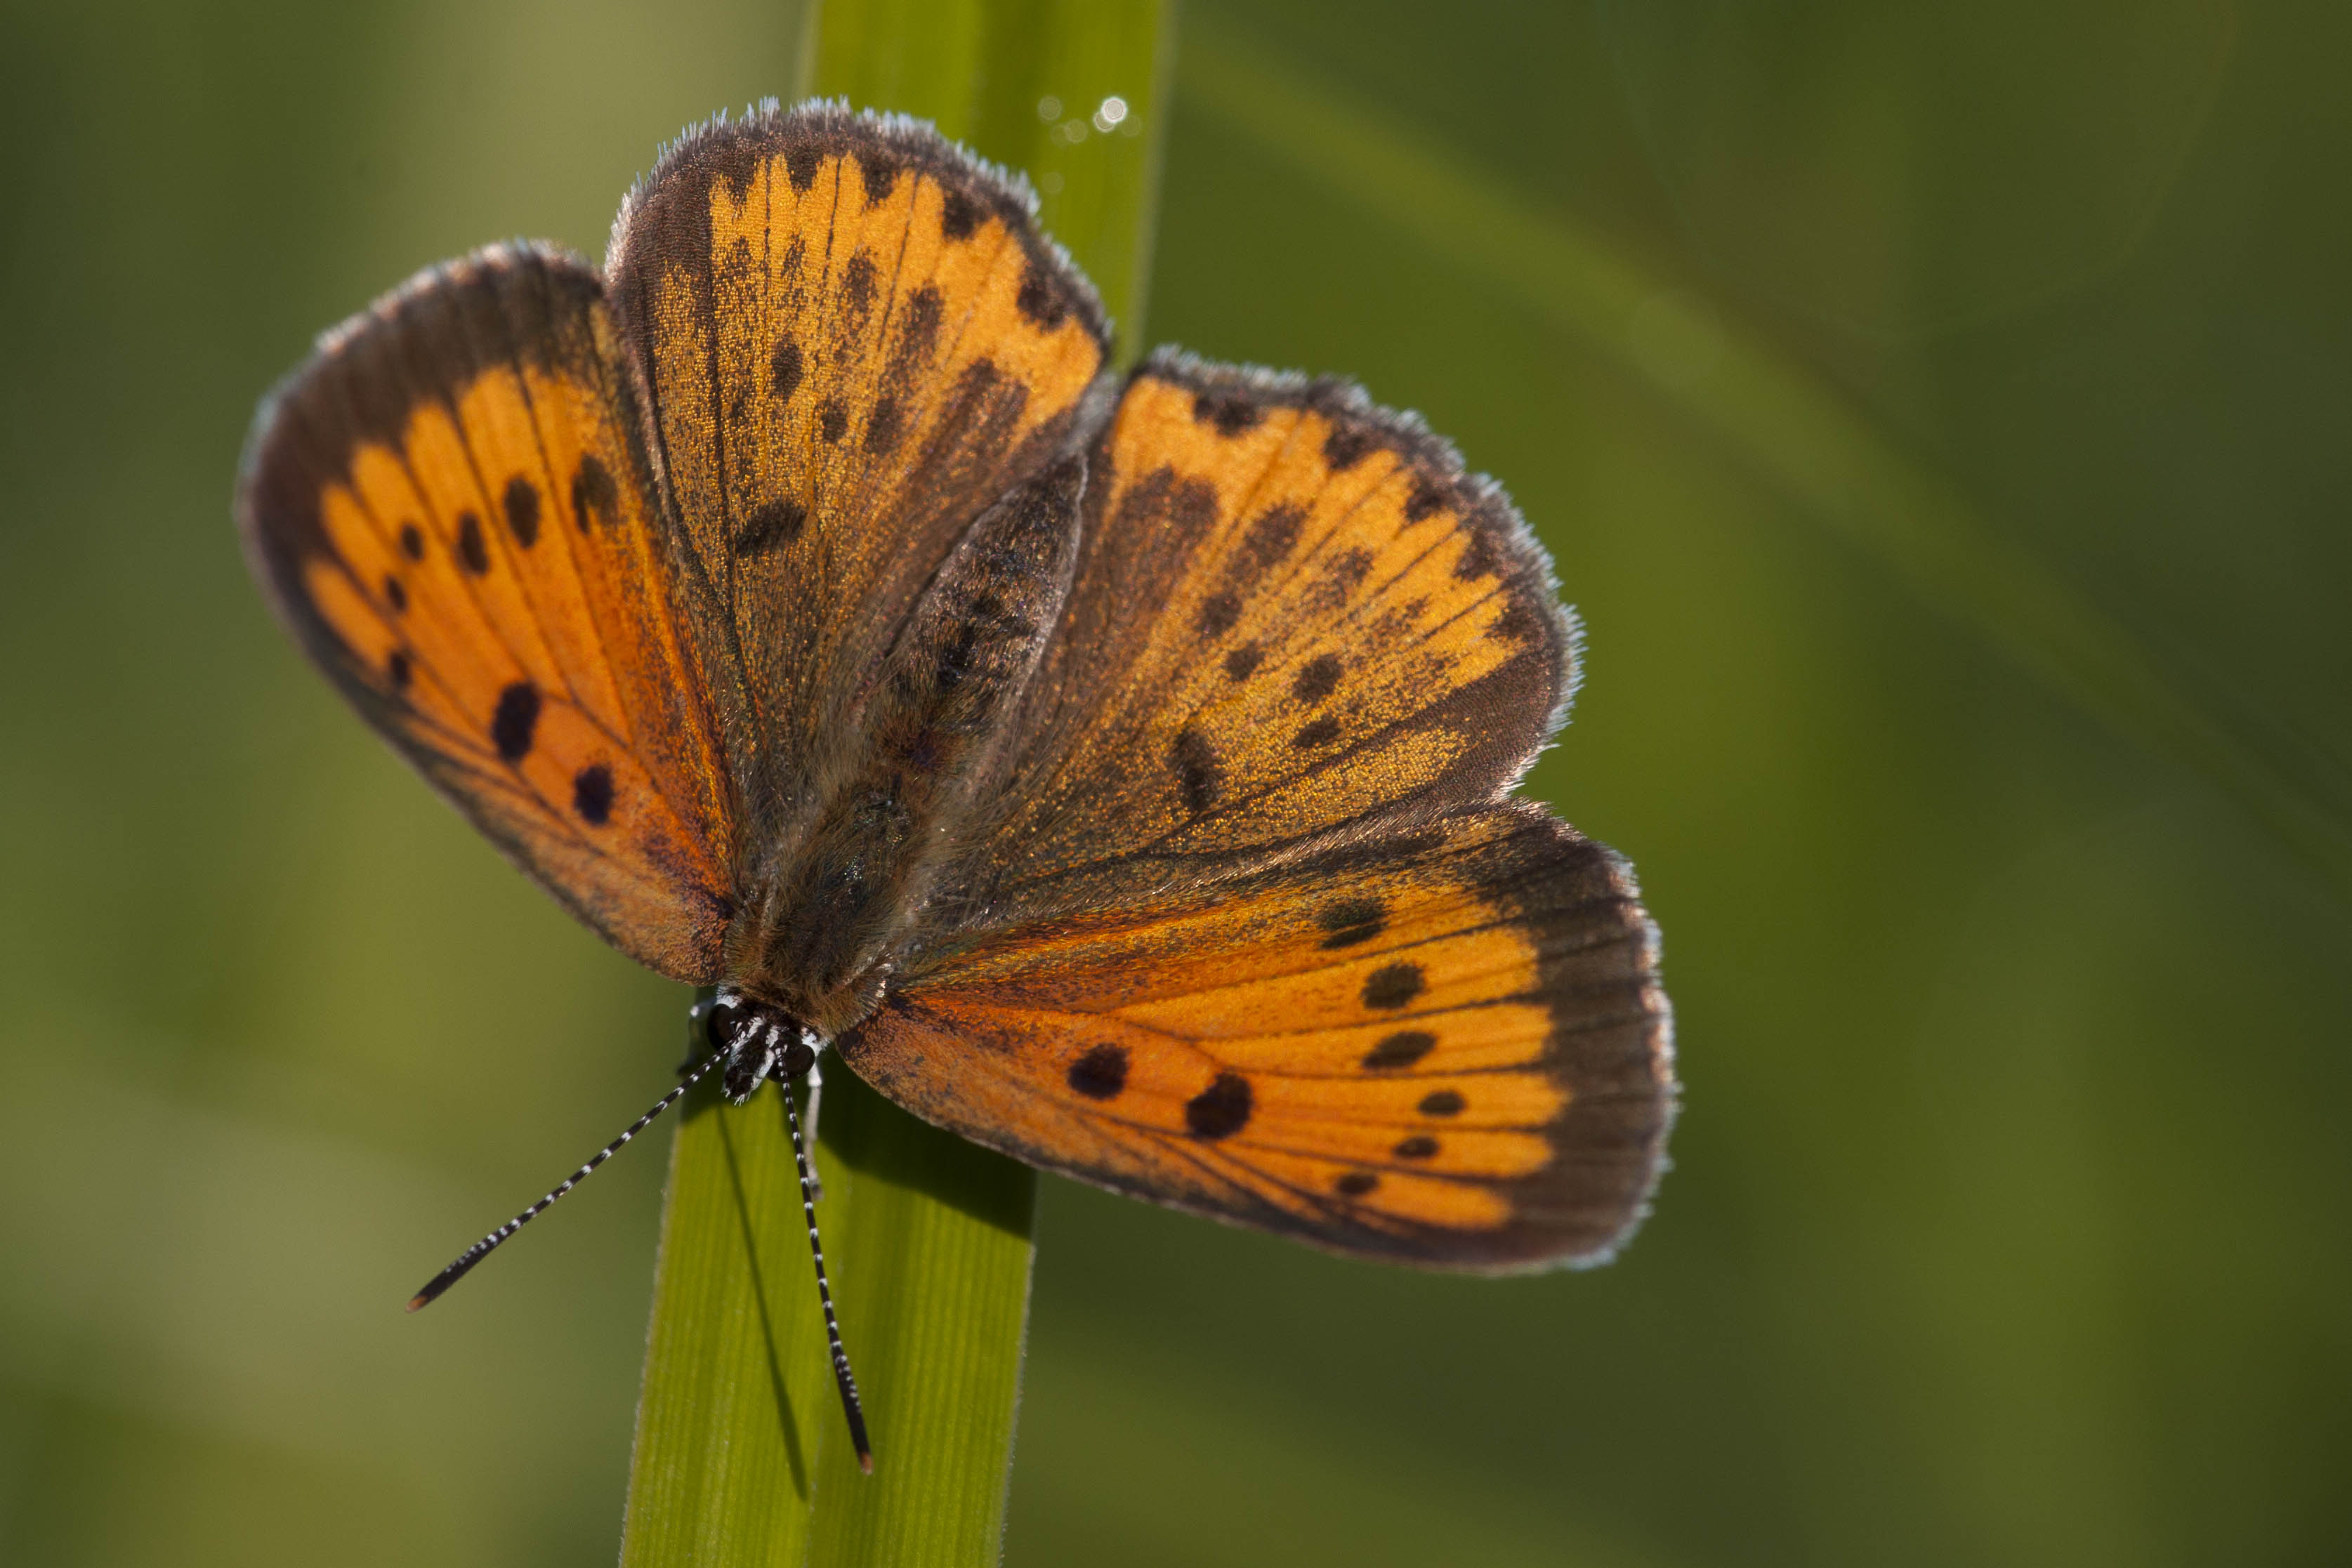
(827, 900)
(817, 950)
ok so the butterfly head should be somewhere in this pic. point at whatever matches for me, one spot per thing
(759, 1041)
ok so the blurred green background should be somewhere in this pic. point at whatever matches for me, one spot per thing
(1993, 802)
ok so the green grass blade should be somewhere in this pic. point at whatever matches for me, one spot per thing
(742, 1456)
(938, 1279)
(736, 1418)
(1792, 428)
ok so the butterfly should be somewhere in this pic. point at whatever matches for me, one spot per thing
(1114, 770)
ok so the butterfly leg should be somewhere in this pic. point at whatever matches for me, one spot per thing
(815, 1099)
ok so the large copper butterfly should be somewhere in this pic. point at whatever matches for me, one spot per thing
(1113, 770)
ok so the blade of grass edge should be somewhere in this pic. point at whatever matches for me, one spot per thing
(1793, 430)
(741, 1454)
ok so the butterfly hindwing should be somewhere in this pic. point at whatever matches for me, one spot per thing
(454, 516)
(1294, 615)
(854, 341)
(1447, 1048)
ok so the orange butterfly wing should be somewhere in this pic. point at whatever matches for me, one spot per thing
(453, 513)
(616, 565)
(1249, 929)
(1294, 615)
(1448, 1048)
(854, 341)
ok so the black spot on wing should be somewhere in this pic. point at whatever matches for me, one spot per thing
(1394, 985)
(885, 425)
(516, 718)
(1100, 1073)
(1401, 1048)
(471, 551)
(1164, 502)
(1222, 1109)
(800, 164)
(858, 285)
(1226, 411)
(1477, 558)
(1041, 297)
(958, 216)
(880, 176)
(1262, 544)
(1355, 1184)
(1420, 1147)
(394, 594)
(1442, 1102)
(1341, 576)
(594, 497)
(1219, 611)
(831, 420)
(397, 671)
(1244, 661)
(591, 794)
(522, 503)
(1351, 920)
(1199, 777)
(918, 330)
(1424, 501)
(1317, 678)
(1344, 446)
(771, 524)
(412, 542)
(1268, 540)
(1517, 624)
(1320, 732)
(785, 370)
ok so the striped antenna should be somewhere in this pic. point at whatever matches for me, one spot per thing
(488, 1244)
(843, 1378)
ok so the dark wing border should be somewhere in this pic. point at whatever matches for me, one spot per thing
(884, 145)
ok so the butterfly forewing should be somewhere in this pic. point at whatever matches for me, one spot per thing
(1449, 1047)
(854, 342)
(1295, 614)
(453, 516)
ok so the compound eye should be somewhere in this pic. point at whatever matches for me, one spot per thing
(724, 1022)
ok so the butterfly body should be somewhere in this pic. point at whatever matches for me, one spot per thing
(1115, 771)
(828, 902)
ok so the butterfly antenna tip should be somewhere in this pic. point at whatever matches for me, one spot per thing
(440, 1282)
